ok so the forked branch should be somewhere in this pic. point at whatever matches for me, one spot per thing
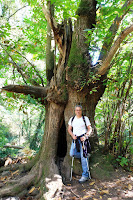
(54, 26)
(106, 63)
(25, 76)
(111, 33)
(33, 66)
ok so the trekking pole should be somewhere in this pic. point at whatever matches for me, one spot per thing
(87, 164)
(72, 162)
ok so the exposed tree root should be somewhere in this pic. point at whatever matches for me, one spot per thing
(22, 167)
(9, 168)
(14, 187)
(20, 185)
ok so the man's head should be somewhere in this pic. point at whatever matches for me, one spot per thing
(78, 110)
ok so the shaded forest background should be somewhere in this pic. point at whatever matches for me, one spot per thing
(23, 42)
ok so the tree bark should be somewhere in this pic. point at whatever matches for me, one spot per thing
(70, 85)
(49, 49)
(35, 92)
(13, 146)
(105, 65)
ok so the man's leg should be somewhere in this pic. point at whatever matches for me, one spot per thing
(85, 174)
(73, 151)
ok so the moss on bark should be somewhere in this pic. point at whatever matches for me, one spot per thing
(75, 57)
(84, 8)
(77, 66)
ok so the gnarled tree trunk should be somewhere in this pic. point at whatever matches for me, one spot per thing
(71, 84)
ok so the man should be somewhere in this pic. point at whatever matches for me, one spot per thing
(80, 128)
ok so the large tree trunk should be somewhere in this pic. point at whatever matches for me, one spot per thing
(74, 82)
(64, 92)
(56, 141)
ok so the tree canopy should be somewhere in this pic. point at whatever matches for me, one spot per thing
(61, 52)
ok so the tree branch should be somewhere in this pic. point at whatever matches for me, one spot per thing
(19, 69)
(13, 146)
(15, 64)
(34, 91)
(16, 11)
(113, 30)
(105, 64)
(54, 26)
(50, 53)
(33, 67)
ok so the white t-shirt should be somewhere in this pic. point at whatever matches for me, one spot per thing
(78, 125)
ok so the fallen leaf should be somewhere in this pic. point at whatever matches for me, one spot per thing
(100, 197)
(3, 178)
(16, 172)
(31, 190)
(73, 198)
(130, 187)
(86, 197)
(109, 198)
(95, 199)
(8, 162)
(118, 182)
(104, 192)
(124, 187)
(92, 183)
(84, 190)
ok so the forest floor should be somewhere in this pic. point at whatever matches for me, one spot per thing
(120, 186)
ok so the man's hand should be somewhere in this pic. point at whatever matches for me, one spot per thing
(74, 137)
(88, 134)
(83, 138)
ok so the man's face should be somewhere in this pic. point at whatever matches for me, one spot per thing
(78, 111)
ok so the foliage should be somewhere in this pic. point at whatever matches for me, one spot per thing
(113, 112)
(6, 137)
(122, 160)
(107, 11)
(22, 58)
(23, 114)
(22, 54)
(22, 46)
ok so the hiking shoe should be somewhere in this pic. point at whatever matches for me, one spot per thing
(83, 179)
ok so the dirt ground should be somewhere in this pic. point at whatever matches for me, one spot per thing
(119, 187)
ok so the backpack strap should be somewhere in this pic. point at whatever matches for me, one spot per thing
(72, 119)
(84, 121)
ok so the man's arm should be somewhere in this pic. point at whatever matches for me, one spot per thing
(71, 133)
(87, 134)
(88, 131)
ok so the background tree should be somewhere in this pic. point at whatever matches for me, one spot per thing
(73, 77)
(115, 121)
